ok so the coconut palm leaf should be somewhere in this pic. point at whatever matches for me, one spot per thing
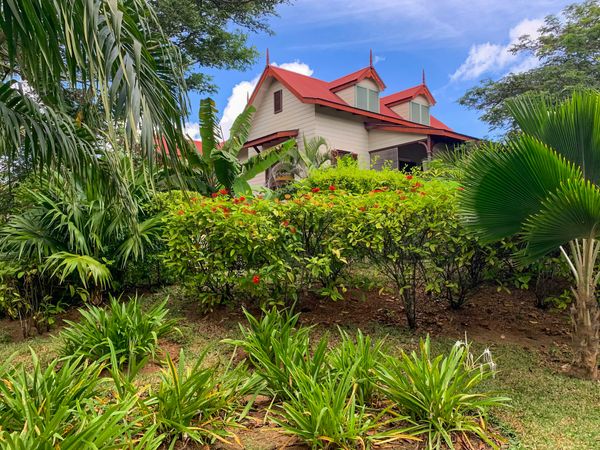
(503, 189)
(210, 132)
(571, 127)
(109, 50)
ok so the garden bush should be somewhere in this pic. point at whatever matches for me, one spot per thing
(229, 248)
(124, 331)
(441, 394)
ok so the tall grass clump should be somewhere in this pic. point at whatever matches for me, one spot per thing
(192, 402)
(60, 406)
(275, 343)
(365, 356)
(441, 394)
(325, 413)
(123, 329)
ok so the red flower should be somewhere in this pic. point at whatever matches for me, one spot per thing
(315, 189)
(422, 193)
(293, 230)
(181, 212)
(376, 191)
(223, 192)
(285, 223)
(194, 199)
(332, 188)
(214, 194)
(256, 279)
(409, 177)
(460, 188)
(242, 198)
(418, 185)
(362, 208)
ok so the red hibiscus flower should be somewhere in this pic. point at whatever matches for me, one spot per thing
(242, 198)
(315, 189)
(256, 279)
(332, 188)
(418, 185)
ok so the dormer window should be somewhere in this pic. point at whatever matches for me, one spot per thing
(367, 99)
(419, 113)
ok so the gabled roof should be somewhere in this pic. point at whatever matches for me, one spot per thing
(408, 94)
(314, 91)
(357, 77)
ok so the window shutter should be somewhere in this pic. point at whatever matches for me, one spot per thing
(277, 101)
(373, 101)
(362, 99)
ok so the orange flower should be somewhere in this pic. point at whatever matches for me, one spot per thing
(287, 196)
(409, 177)
(460, 188)
(256, 279)
(293, 230)
(214, 194)
(223, 192)
(181, 212)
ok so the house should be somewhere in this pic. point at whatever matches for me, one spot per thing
(352, 113)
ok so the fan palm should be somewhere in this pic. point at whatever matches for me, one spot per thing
(544, 188)
(219, 165)
(299, 162)
(78, 72)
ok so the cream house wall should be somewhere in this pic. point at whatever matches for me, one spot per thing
(349, 94)
(379, 139)
(403, 109)
(294, 114)
(343, 131)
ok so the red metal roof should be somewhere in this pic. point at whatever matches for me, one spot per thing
(312, 90)
(407, 95)
(272, 137)
(356, 77)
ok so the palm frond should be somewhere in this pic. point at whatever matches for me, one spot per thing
(570, 213)
(210, 132)
(64, 264)
(572, 127)
(239, 131)
(502, 189)
(261, 162)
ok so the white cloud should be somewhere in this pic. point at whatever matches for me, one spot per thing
(241, 91)
(488, 58)
(192, 129)
(378, 59)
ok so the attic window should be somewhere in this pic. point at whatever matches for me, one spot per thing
(419, 113)
(277, 101)
(367, 99)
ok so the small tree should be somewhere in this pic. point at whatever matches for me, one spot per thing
(544, 189)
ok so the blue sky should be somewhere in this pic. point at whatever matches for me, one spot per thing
(457, 42)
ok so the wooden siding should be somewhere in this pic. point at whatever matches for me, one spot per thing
(294, 114)
(379, 139)
(343, 131)
(403, 109)
(349, 94)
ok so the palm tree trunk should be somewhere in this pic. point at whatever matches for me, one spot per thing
(585, 312)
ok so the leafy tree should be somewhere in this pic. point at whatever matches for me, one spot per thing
(568, 49)
(213, 33)
(218, 166)
(74, 74)
(544, 189)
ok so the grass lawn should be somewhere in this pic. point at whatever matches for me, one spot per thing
(550, 410)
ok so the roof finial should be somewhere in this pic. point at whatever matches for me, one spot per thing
(268, 58)
(423, 82)
(370, 57)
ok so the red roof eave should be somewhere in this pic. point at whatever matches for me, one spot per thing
(427, 130)
(271, 137)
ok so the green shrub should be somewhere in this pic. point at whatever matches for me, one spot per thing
(441, 394)
(398, 231)
(228, 248)
(274, 344)
(60, 406)
(189, 400)
(123, 328)
(325, 413)
(363, 357)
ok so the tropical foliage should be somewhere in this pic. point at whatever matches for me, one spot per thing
(544, 188)
(218, 166)
(125, 331)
